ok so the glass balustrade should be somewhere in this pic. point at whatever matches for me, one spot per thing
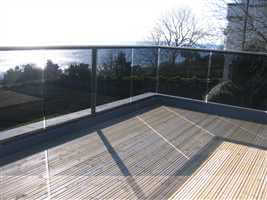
(50, 86)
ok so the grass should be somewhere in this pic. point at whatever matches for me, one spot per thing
(19, 108)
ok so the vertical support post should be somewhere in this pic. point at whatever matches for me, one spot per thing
(245, 25)
(93, 81)
(226, 67)
(131, 79)
(157, 74)
(208, 77)
(43, 94)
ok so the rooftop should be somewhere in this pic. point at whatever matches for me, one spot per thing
(151, 150)
(133, 122)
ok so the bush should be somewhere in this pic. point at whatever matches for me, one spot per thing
(226, 92)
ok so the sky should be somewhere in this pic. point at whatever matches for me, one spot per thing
(74, 22)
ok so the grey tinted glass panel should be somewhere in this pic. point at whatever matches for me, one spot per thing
(67, 84)
(21, 88)
(144, 70)
(183, 73)
(240, 80)
(113, 77)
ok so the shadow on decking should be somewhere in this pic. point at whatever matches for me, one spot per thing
(76, 133)
(196, 161)
(169, 185)
(187, 169)
(124, 170)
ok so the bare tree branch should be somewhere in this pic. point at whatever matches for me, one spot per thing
(179, 28)
(245, 23)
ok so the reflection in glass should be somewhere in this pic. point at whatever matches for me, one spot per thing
(239, 79)
(42, 84)
(144, 70)
(67, 84)
(113, 76)
(21, 88)
(183, 73)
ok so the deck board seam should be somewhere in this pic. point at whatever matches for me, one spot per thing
(48, 175)
(188, 120)
(244, 129)
(155, 131)
(1, 179)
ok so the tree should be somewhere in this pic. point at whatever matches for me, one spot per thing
(122, 67)
(248, 83)
(12, 75)
(179, 28)
(115, 66)
(52, 71)
(246, 30)
(244, 23)
(27, 73)
(80, 72)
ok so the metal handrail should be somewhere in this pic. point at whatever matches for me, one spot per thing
(81, 47)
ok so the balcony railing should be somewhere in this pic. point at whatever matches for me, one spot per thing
(38, 84)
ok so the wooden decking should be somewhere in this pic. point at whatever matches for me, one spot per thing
(233, 172)
(155, 153)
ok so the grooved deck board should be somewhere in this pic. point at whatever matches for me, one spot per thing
(233, 171)
(129, 158)
(25, 178)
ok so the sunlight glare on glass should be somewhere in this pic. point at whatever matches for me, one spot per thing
(39, 58)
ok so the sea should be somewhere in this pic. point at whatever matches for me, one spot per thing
(11, 59)
(39, 58)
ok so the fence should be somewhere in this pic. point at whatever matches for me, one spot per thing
(40, 83)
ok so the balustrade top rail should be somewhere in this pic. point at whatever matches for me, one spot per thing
(73, 47)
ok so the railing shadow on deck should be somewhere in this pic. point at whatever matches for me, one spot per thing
(186, 170)
(64, 137)
(123, 168)
(197, 160)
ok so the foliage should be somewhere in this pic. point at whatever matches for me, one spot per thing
(115, 69)
(80, 72)
(52, 71)
(57, 89)
(24, 73)
(243, 22)
(248, 85)
(225, 92)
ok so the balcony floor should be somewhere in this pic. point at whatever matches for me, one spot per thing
(156, 153)
(233, 171)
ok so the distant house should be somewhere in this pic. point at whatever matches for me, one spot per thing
(256, 26)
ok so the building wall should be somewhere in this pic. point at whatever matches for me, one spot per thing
(235, 28)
